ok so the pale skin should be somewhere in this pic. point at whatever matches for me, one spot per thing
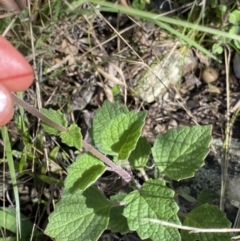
(15, 72)
(15, 75)
(6, 105)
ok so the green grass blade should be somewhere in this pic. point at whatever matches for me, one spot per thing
(8, 154)
(186, 39)
(110, 7)
(7, 221)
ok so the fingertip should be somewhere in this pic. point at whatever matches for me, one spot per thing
(15, 72)
(6, 105)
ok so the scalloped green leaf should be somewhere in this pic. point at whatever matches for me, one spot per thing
(153, 201)
(79, 216)
(179, 153)
(235, 30)
(121, 134)
(206, 216)
(139, 4)
(139, 156)
(83, 172)
(217, 48)
(73, 137)
(234, 17)
(103, 116)
(55, 115)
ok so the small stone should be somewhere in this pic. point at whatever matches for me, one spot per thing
(192, 104)
(209, 75)
(172, 124)
(165, 73)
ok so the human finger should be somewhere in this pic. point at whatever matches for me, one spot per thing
(16, 74)
(6, 105)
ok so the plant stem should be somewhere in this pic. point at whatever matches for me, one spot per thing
(118, 169)
(38, 114)
(228, 133)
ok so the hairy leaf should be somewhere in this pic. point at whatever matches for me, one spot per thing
(83, 172)
(79, 216)
(179, 153)
(55, 115)
(156, 201)
(206, 216)
(73, 137)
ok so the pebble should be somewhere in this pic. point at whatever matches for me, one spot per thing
(209, 75)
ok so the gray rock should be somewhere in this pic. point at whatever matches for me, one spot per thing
(161, 74)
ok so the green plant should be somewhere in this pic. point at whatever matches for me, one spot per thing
(123, 212)
(167, 22)
(139, 4)
(151, 210)
(8, 222)
(234, 19)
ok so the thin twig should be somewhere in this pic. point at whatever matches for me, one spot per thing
(118, 169)
(191, 229)
(224, 164)
(36, 113)
(125, 175)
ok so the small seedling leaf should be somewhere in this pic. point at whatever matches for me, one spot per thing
(73, 137)
(217, 48)
(121, 134)
(179, 153)
(50, 180)
(54, 153)
(83, 172)
(55, 115)
(206, 216)
(235, 30)
(139, 156)
(79, 216)
(206, 196)
(139, 4)
(102, 118)
(234, 17)
(153, 201)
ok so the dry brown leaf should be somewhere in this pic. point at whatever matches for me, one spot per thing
(213, 89)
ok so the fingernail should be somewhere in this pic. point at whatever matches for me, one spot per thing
(6, 106)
